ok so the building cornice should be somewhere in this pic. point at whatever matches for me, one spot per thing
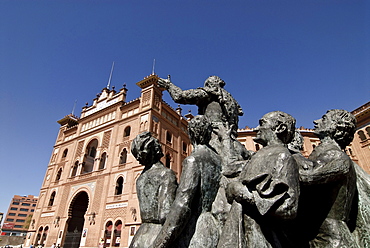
(361, 110)
(70, 119)
(147, 81)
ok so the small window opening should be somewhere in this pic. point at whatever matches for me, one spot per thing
(52, 197)
(257, 147)
(184, 148)
(127, 131)
(119, 186)
(368, 130)
(362, 135)
(59, 174)
(168, 160)
(123, 156)
(102, 161)
(74, 169)
(65, 152)
(168, 137)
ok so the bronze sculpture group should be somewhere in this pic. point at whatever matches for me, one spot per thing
(230, 197)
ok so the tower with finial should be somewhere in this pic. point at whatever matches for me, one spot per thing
(107, 97)
(94, 168)
(151, 94)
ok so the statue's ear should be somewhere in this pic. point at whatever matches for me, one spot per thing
(281, 128)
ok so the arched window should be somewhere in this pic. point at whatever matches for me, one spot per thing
(168, 160)
(123, 156)
(89, 159)
(117, 233)
(155, 127)
(102, 161)
(52, 197)
(168, 137)
(65, 152)
(119, 186)
(91, 148)
(141, 126)
(108, 234)
(127, 131)
(59, 174)
(368, 130)
(74, 169)
(362, 135)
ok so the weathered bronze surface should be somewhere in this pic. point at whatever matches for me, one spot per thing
(230, 197)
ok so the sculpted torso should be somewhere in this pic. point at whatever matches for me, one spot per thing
(152, 193)
(335, 169)
(272, 176)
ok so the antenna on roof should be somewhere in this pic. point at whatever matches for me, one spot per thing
(153, 67)
(110, 76)
(74, 106)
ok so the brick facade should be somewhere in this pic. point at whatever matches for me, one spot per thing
(92, 155)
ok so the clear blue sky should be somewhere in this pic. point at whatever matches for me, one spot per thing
(301, 57)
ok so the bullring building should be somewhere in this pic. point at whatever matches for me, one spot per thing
(88, 196)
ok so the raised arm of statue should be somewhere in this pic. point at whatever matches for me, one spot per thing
(192, 96)
(164, 83)
(181, 207)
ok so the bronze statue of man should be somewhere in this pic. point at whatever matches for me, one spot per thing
(329, 184)
(268, 187)
(190, 222)
(156, 189)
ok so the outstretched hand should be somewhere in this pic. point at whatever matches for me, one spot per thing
(164, 83)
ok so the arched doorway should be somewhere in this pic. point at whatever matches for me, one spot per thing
(108, 234)
(76, 220)
(44, 236)
(117, 233)
(38, 237)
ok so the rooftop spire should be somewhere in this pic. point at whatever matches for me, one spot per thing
(110, 76)
(153, 67)
(74, 106)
